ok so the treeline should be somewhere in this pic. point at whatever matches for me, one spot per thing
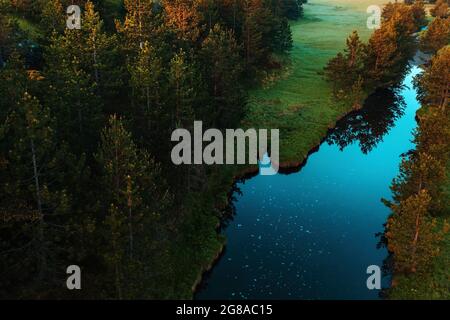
(85, 173)
(382, 61)
(419, 192)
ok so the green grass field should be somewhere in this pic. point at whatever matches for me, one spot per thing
(300, 104)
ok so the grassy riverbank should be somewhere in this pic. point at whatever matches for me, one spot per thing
(299, 103)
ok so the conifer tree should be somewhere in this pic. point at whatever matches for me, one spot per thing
(222, 72)
(436, 36)
(421, 171)
(133, 200)
(434, 83)
(146, 78)
(411, 234)
(182, 84)
(99, 54)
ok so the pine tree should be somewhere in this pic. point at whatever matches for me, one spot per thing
(434, 83)
(421, 171)
(182, 84)
(253, 35)
(134, 197)
(334, 72)
(223, 73)
(411, 234)
(346, 70)
(142, 23)
(183, 16)
(419, 14)
(436, 36)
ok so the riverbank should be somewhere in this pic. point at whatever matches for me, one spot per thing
(435, 283)
(300, 103)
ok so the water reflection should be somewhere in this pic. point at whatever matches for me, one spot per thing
(311, 235)
(369, 125)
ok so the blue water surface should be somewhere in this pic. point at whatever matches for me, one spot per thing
(312, 234)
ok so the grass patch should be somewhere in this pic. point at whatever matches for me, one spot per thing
(301, 104)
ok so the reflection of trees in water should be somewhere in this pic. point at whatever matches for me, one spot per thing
(229, 212)
(371, 123)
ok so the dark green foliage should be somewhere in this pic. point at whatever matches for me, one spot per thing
(77, 188)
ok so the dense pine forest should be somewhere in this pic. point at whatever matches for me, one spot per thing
(86, 117)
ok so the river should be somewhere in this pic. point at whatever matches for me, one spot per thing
(312, 234)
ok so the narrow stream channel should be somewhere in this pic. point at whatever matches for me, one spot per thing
(312, 234)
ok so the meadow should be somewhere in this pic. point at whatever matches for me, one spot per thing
(300, 102)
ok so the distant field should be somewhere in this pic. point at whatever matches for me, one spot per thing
(301, 104)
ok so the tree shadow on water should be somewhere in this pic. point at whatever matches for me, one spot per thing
(370, 124)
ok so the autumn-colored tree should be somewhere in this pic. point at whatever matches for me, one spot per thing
(142, 23)
(440, 9)
(390, 47)
(434, 134)
(436, 36)
(52, 17)
(184, 17)
(145, 80)
(346, 69)
(419, 14)
(434, 83)
(182, 84)
(411, 234)
(421, 171)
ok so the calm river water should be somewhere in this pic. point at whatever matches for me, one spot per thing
(312, 234)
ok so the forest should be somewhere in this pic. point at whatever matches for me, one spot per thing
(86, 117)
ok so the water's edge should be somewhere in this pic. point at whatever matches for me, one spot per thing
(287, 167)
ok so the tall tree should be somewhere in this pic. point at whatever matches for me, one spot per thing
(436, 36)
(434, 83)
(182, 83)
(411, 235)
(133, 200)
(223, 73)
